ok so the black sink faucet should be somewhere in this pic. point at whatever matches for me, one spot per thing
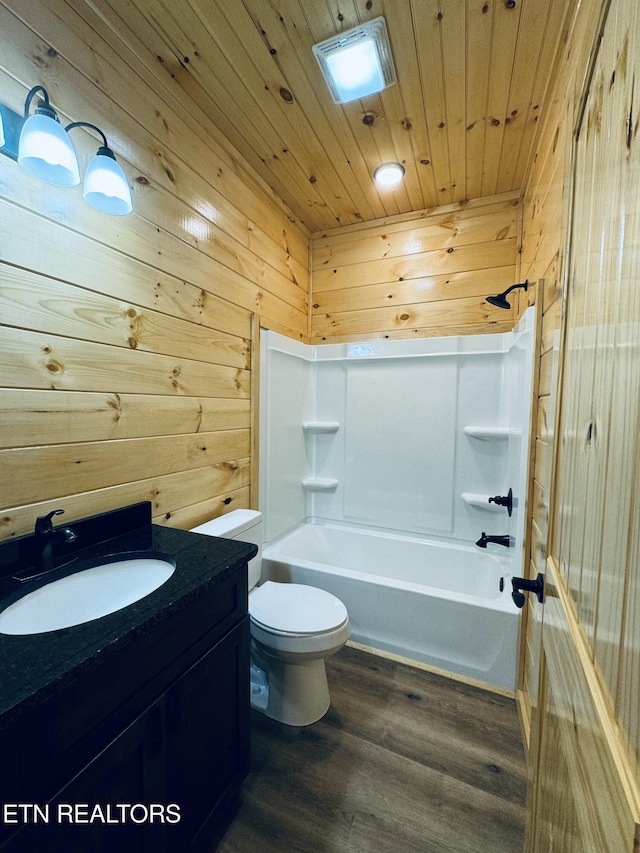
(497, 540)
(46, 537)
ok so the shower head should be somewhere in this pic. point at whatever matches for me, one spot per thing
(500, 300)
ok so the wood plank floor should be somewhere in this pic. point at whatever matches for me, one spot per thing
(405, 760)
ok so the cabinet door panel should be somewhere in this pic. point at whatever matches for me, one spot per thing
(107, 806)
(208, 733)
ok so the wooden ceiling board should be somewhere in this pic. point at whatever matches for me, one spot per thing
(533, 37)
(165, 166)
(538, 68)
(453, 36)
(224, 48)
(479, 30)
(406, 117)
(337, 144)
(432, 83)
(328, 134)
(504, 40)
(462, 118)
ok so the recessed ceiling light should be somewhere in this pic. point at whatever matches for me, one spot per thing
(358, 62)
(389, 174)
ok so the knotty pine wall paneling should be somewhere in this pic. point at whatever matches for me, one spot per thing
(126, 342)
(545, 215)
(580, 224)
(416, 275)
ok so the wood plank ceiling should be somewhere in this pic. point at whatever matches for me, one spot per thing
(472, 76)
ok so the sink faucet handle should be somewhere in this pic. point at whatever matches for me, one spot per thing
(44, 524)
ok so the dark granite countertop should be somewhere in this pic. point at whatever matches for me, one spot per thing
(35, 667)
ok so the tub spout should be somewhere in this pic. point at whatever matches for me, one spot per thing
(497, 540)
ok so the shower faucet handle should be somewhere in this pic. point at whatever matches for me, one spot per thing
(522, 585)
(505, 501)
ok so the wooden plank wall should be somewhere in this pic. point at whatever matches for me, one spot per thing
(585, 528)
(416, 275)
(544, 227)
(126, 343)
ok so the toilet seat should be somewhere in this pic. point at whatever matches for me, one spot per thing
(294, 628)
(295, 610)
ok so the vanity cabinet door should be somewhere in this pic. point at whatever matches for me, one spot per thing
(106, 806)
(186, 755)
(207, 736)
(125, 780)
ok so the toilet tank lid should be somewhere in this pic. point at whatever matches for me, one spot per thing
(231, 524)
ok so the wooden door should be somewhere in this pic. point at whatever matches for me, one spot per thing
(584, 795)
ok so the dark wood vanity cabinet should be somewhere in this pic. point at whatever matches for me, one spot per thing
(187, 754)
(166, 779)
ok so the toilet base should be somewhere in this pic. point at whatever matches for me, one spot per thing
(298, 692)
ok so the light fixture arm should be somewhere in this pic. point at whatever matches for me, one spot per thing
(104, 149)
(43, 108)
(93, 127)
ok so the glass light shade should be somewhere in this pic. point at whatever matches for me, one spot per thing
(356, 70)
(106, 187)
(46, 152)
(389, 174)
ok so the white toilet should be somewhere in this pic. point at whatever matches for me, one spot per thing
(294, 627)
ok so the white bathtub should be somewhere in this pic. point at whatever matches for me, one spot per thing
(425, 600)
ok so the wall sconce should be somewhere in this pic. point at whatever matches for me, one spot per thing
(43, 148)
(105, 184)
(500, 300)
(389, 174)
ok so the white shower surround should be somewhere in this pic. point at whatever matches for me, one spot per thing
(407, 438)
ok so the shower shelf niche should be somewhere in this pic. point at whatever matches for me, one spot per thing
(320, 427)
(485, 433)
(479, 501)
(317, 428)
(319, 484)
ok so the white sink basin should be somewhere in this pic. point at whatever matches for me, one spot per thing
(85, 595)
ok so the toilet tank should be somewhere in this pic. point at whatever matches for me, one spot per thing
(243, 524)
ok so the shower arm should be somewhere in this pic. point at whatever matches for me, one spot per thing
(523, 284)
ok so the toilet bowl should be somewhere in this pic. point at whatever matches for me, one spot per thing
(294, 628)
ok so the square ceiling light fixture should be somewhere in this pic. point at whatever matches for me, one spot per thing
(358, 62)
